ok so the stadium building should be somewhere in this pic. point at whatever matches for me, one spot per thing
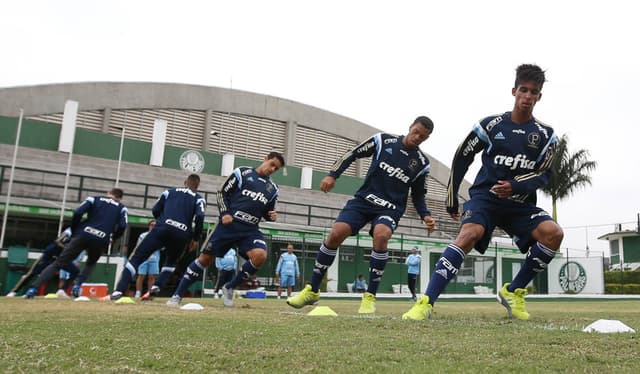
(146, 137)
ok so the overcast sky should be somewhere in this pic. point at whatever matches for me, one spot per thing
(379, 62)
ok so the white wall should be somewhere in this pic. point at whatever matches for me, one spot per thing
(577, 273)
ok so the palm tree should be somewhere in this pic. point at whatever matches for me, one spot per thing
(570, 172)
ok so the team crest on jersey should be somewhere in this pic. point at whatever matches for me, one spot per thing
(534, 140)
(413, 164)
(192, 161)
(269, 187)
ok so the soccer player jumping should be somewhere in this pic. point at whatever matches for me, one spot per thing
(517, 154)
(397, 166)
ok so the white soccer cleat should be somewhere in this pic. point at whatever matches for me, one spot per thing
(227, 296)
(174, 301)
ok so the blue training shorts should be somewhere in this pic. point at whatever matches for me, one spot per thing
(287, 281)
(357, 212)
(151, 265)
(234, 235)
(517, 219)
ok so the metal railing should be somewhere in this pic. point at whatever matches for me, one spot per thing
(49, 186)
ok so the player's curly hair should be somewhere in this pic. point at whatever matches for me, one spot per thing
(529, 72)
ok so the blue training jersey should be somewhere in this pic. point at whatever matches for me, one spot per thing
(178, 207)
(247, 196)
(288, 265)
(521, 154)
(106, 218)
(229, 262)
(394, 170)
(413, 263)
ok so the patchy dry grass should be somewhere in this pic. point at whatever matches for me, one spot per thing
(268, 336)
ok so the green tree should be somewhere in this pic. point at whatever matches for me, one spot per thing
(570, 172)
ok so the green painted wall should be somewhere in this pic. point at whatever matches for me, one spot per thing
(41, 135)
(631, 249)
(97, 144)
(344, 185)
(32, 134)
(291, 179)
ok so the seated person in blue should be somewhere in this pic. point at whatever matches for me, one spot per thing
(360, 285)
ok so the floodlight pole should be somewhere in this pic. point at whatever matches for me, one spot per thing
(64, 193)
(586, 237)
(65, 144)
(120, 156)
(13, 168)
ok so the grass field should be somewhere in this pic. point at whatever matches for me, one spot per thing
(268, 336)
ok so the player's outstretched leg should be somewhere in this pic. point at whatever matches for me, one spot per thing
(511, 296)
(248, 269)
(127, 274)
(377, 263)
(310, 294)
(193, 273)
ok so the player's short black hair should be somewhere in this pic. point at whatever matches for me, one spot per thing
(529, 72)
(117, 193)
(424, 121)
(193, 181)
(278, 155)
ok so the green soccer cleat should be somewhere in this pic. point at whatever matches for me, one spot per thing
(420, 310)
(304, 297)
(514, 302)
(368, 304)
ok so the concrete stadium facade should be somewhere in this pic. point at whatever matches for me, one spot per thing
(103, 108)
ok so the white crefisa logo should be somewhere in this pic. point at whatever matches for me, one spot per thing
(572, 277)
(192, 161)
